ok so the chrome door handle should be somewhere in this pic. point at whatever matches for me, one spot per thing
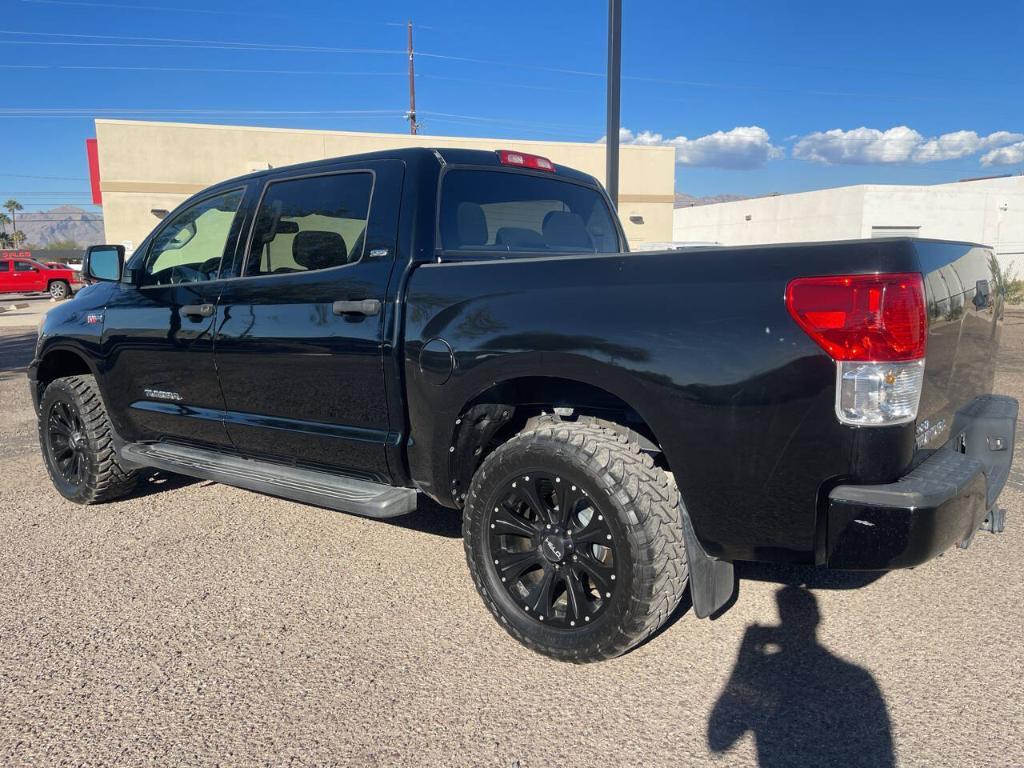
(361, 307)
(198, 310)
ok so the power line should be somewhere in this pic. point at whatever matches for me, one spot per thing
(153, 8)
(185, 43)
(203, 70)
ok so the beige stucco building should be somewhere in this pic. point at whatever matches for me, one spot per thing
(147, 166)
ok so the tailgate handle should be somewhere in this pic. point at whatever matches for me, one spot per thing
(198, 310)
(361, 307)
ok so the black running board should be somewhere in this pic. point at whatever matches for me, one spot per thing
(346, 494)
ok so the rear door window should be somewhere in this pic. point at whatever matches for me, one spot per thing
(5, 266)
(505, 212)
(317, 222)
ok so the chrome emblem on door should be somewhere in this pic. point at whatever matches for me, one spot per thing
(160, 394)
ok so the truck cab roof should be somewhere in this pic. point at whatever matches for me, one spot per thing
(444, 156)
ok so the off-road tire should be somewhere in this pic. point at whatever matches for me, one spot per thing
(104, 477)
(59, 290)
(642, 507)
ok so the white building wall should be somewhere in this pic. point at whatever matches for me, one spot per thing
(989, 211)
(828, 214)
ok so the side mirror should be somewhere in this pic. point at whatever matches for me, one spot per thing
(103, 262)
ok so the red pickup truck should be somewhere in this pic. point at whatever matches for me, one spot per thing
(24, 275)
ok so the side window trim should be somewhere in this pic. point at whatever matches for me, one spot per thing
(251, 228)
(138, 259)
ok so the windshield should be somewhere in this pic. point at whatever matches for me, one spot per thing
(502, 212)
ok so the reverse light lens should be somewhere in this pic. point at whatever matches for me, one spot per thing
(878, 394)
(862, 317)
(875, 328)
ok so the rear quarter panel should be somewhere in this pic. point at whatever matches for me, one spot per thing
(700, 344)
(964, 328)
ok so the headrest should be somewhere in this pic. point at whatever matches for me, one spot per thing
(565, 230)
(472, 224)
(519, 238)
(313, 249)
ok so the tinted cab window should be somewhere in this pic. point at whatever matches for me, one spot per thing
(503, 211)
(311, 223)
(190, 247)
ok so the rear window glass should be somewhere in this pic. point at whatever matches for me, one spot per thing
(506, 212)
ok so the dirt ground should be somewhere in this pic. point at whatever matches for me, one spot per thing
(197, 624)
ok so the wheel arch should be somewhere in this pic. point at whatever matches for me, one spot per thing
(58, 362)
(504, 408)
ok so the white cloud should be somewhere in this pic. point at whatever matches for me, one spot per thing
(741, 148)
(864, 146)
(1008, 155)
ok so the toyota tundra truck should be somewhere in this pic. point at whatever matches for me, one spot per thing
(470, 326)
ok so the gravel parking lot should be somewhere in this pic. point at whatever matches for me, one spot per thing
(196, 624)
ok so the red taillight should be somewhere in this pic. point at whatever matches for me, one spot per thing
(862, 317)
(523, 160)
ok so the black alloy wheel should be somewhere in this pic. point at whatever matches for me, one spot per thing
(77, 441)
(553, 550)
(66, 442)
(573, 537)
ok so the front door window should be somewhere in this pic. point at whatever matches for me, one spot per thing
(190, 247)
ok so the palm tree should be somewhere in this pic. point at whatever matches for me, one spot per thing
(13, 206)
(4, 221)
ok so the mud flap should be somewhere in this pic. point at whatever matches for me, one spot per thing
(711, 581)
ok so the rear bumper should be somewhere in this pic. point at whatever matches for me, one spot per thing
(941, 502)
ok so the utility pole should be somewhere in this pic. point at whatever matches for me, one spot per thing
(413, 125)
(614, 76)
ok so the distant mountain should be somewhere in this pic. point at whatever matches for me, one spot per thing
(684, 200)
(65, 222)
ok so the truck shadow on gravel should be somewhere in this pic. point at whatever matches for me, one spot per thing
(158, 481)
(16, 353)
(804, 705)
(430, 517)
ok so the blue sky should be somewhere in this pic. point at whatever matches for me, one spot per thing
(756, 97)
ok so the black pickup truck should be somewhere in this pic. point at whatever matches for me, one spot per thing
(470, 326)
